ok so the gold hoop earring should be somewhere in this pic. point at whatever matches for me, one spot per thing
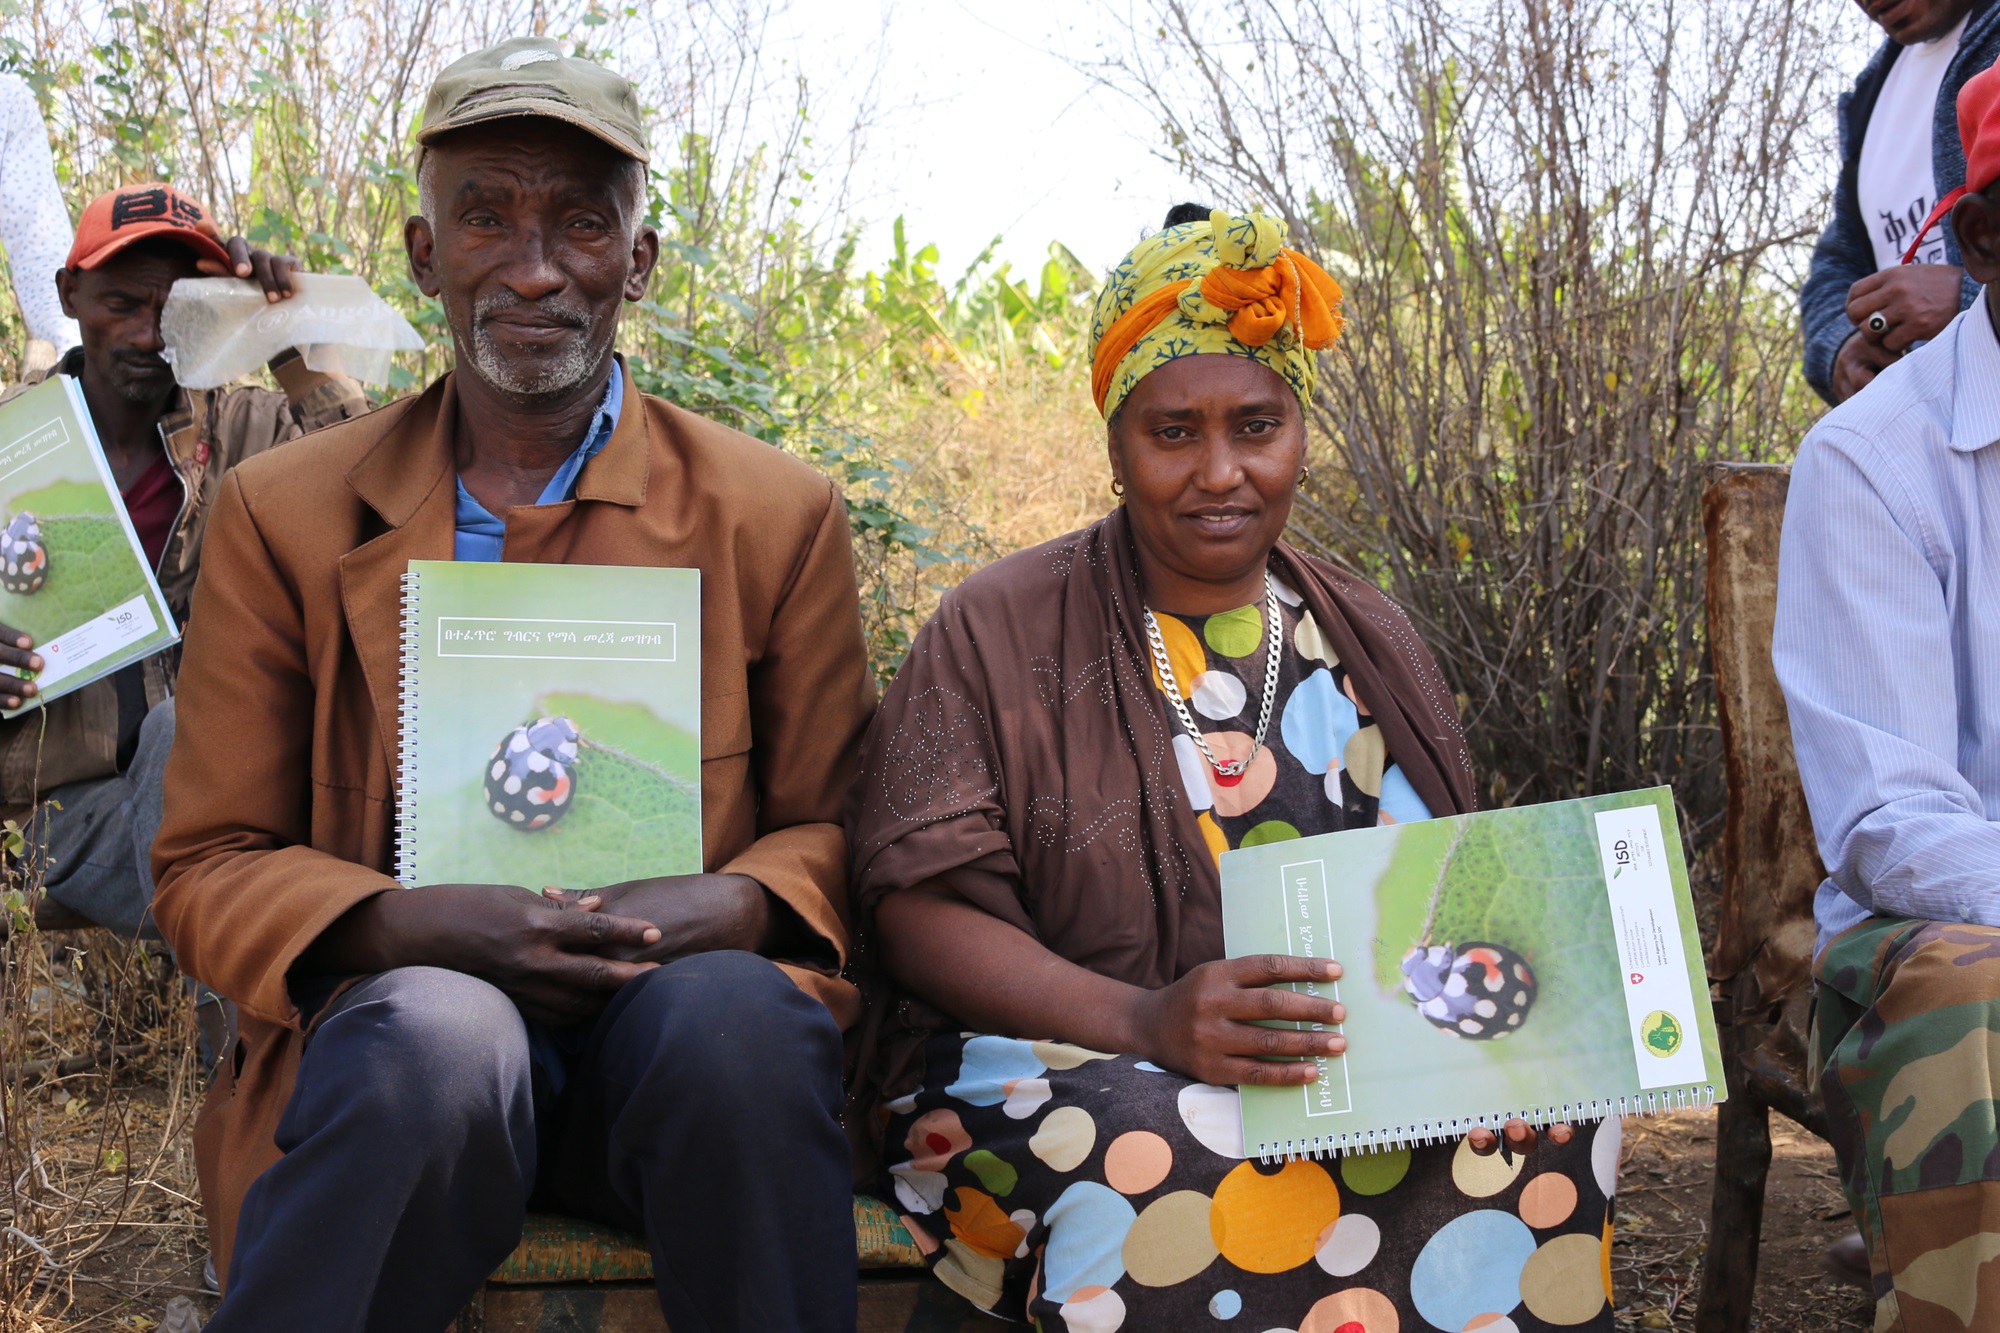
(1117, 488)
(1305, 473)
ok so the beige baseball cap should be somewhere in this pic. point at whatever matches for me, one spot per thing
(530, 76)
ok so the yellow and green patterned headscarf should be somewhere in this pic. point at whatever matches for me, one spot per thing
(1226, 285)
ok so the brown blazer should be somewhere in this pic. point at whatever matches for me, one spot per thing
(280, 794)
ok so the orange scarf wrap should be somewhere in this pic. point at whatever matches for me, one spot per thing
(1255, 305)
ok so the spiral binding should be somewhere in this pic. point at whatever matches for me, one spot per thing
(406, 722)
(1447, 1131)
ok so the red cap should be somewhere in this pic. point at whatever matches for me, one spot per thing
(134, 212)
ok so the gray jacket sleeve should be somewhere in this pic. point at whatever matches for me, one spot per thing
(1843, 256)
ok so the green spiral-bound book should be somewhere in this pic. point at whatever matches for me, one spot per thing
(73, 575)
(551, 724)
(1540, 961)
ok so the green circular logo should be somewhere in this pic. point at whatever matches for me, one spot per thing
(1661, 1032)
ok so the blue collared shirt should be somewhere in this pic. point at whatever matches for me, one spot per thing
(481, 535)
(1888, 636)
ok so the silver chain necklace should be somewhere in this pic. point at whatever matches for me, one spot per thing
(1273, 631)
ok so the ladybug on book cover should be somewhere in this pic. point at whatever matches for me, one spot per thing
(1479, 989)
(24, 555)
(530, 779)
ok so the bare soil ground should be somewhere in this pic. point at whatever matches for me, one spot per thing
(1662, 1230)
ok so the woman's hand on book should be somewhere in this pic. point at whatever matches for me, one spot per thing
(1520, 1136)
(550, 955)
(16, 656)
(1209, 1025)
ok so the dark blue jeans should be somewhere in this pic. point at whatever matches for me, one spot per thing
(97, 836)
(699, 1109)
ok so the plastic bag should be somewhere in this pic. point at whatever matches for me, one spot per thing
(221, 329)
(181, 1317)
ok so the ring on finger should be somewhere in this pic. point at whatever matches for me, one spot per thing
(1877, 322)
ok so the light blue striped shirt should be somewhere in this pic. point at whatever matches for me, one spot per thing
(1888, 636)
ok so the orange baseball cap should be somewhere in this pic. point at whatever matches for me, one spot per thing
(1979, 133)
(131, 213)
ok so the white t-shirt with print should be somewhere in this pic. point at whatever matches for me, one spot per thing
(1894, 186)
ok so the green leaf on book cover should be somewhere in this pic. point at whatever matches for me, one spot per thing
(634, 813)
(632, 728)
(63, 497)
(90, 570)
(1531, 884)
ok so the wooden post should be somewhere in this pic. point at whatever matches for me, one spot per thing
(1736, 1205)
(1761, 960)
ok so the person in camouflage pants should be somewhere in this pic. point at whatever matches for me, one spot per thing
(1887, 645)
(1907, 1032)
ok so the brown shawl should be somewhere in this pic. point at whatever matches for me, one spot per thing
(1024, 761)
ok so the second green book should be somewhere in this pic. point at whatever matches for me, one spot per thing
(1540, 961)
(551, 728)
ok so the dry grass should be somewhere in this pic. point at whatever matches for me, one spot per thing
(951, 459)
(99, 1219)
(997, 455)
(1021, 448)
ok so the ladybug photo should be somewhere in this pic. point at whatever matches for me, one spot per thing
(63, 554)
(1492, 933)
(568, 787)
(528, 784)
(1477, 990)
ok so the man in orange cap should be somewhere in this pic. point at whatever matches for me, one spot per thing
(1888, 648)
(86, 770)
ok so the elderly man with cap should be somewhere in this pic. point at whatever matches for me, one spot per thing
(1888, 648)
(415, 1067)
(93, 759)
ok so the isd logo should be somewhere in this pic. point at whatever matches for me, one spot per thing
(1661, 1032)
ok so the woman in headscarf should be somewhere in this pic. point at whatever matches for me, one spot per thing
(1077, 735)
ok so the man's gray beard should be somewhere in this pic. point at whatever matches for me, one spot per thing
(571, 368)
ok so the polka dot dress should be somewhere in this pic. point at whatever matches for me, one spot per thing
(1092, 1193)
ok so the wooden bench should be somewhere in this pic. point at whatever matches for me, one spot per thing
(575, 1277)
(1761, 963)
